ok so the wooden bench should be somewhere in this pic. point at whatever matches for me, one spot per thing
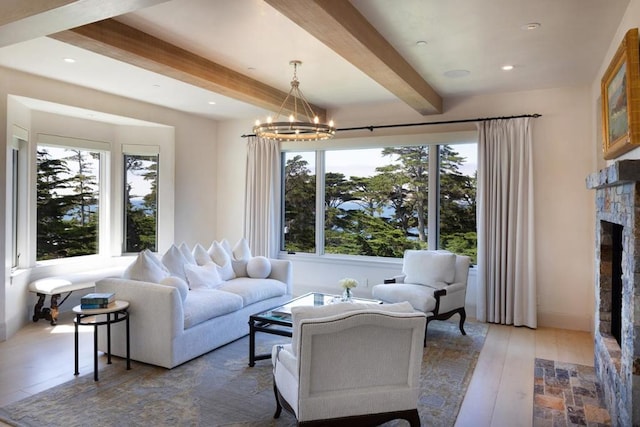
(55, 286)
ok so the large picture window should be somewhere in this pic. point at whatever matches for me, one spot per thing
(381, 201)
(68, 190)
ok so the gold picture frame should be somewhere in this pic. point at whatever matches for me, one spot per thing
(620, 87)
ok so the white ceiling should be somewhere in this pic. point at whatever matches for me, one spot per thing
(252, 38)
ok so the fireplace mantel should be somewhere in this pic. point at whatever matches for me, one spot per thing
(621, 172)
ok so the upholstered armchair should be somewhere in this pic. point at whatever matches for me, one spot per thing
(350, 364)
(433, 282)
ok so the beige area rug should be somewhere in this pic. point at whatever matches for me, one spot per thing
(219, 389)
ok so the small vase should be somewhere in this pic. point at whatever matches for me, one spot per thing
(346, 295)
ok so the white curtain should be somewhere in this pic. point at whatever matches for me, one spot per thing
(262, 197)
(506, 257)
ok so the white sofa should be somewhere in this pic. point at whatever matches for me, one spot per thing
(170, 325)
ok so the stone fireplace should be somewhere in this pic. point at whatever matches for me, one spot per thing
(617, 296)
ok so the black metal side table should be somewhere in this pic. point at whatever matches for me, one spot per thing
(115, 313)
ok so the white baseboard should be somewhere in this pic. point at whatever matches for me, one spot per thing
(565, 321)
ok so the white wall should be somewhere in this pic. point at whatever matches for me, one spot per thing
(564, 208)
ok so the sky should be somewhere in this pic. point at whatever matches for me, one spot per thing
(363, 162)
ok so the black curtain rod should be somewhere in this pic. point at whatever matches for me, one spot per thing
(443, 122)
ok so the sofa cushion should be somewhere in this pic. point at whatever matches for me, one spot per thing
(222, 258)
(146, 268)
(204, 304)
(240, 256)
(177, 283)
(201, 255)
(254, 290)
(258, 267)
(186, 252)
(202, 276)
(430, 268)
(175, 261)
(419, 296)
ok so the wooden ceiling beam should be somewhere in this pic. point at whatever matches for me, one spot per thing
(22, 20)
(127, 44)
(340, 26)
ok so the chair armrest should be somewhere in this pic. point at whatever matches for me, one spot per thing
(444, 295)
(287, 360)
(395, 279)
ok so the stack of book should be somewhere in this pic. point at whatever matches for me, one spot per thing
(97, 300)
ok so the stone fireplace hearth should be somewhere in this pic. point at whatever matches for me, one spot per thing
(617, 308)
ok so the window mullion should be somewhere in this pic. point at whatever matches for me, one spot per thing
(433, 217)
(320, 201)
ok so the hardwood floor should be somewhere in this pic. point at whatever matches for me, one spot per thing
(500, 394)
(501, 389)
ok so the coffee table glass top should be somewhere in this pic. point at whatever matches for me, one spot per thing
(282, 313)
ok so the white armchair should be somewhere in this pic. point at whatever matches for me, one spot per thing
(351, 364)
(433, 282)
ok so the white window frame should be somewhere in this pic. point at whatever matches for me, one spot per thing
(432, 140)
(140, 150)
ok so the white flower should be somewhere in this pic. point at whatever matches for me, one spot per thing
(348, 283)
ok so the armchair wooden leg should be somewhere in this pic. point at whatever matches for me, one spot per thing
(278, 405)
(463, 316)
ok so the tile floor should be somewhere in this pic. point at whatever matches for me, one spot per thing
(567, 394)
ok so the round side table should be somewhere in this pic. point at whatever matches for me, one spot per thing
(115, 313)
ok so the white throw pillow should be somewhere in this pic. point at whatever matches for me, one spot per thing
(175, 262)
(223, 260)
(240, 256)
(177, 283)
(258, 267)
(201, 255)
(227, 247)
(146, 268)
(430, 268)
(203, 276)
(186, 252)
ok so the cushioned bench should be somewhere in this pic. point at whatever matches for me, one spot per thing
(54, 286)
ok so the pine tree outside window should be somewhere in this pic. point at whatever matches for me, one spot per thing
(299, 213)
(382, 201)
(68, 194)
(140, 202)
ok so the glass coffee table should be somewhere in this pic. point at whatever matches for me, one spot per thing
(277, 320)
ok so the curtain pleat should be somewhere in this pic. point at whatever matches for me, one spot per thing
(506, 244)
(262, 196)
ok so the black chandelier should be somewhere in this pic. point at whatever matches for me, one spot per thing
(308, 128)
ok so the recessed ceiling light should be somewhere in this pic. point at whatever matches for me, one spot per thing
(69, 60)
(454, 74)
(531, 26)
(421, 43)
(507, 67)
(212, 102)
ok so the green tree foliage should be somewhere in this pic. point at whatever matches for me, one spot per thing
(67, 215)
(392, 206)
(141, 219)
(300, 206)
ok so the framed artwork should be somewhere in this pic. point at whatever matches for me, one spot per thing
(621, 99)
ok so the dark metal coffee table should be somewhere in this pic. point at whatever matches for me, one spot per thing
(277, 320)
